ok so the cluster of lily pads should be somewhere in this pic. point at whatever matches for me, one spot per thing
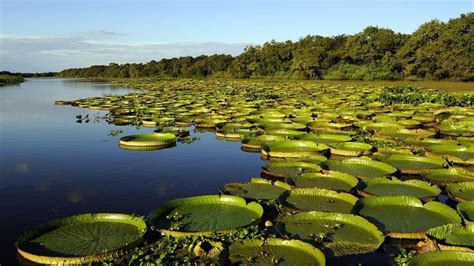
(345, 174)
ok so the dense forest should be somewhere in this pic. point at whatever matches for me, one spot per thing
(436, 50)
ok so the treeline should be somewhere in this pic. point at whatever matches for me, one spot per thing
(7, 78)
(29, 75)
(436, 50)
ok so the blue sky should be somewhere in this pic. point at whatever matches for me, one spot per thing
(44, 35)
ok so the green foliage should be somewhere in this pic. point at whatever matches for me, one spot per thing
(6, 79)
(436, 50)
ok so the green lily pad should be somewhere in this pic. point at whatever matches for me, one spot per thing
(454, 234)
(361, 167)
(412, 164)
(148, 140)
(443, 258)
(258, 188)
(79, 239)
(274, 251)
(203, 215)
(318, 199)
(454, 153)
(351, 149)
(288, 168)
(339, 233)
(466, 209)
(325, 138)
(461, 191)
(257, 142)
(293, 148)
(392, 187)
(328, 179)
(447, 176)
(405, 216)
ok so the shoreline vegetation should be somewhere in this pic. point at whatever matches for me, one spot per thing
(8, 79)
(435, 51)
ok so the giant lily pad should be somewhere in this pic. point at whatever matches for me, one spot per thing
(148, 140)
(412, 164)
(274, 251)
(318, 199)
(454, 234)
(202, 215)
(79, 239)
(361, 167)
(454, 153)
(340, 234)
(447, 176)
(466, 209)
(287, 168)
(293, 148)
(258, 188)
(255, 143)
(461, 191)
(351, 149)
(326, 179)
(325, 138)
(391, 187)
(443, 258)
(405, 216)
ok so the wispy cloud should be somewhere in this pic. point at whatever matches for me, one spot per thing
(31, 54)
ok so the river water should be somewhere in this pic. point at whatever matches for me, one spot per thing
(52, 167)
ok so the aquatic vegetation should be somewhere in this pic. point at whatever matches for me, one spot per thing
(274, 251)
(405, 216)
(203, 215)
(339, 234)
(84, 238)
(345, 166)
(447, 257)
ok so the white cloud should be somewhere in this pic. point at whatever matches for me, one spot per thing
(38, 54)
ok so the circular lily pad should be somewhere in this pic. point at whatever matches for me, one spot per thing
(443, 258)
(79, 239)
(454, 153)
(461, 191)
(447, 176)
(412, 164)
(391, 187)
(361, 167)
(255, 143)
(149, 140)
(405, 216)
(325, 138)
(293, 148)
(258, 188)
(351, 149)
(203, 215)
(341, 234)
(274, 251)
(466, 209)
(318, 199)
(287, 168)
(454, 234)
(326, 179)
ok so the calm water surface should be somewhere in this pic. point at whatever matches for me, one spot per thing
(51, 166)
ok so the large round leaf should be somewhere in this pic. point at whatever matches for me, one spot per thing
(454, 153)
(148, 140)
(405, 216)
(319, 199)
(351, 149)
(81, 238)
(202, 215)
(293, 148)
(275, 251)
(326, 179)
(256, 142)
(258, 188)
(361, 167)
(447, 176)
(287, 168)
(412, 163)
(466, 209)
(391, 187)
(454, 234)
(461, 191)
(443, 258)
(341, 234)
(325, 138)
